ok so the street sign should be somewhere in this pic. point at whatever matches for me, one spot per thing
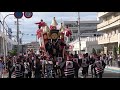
(18, 15)
(28, 14)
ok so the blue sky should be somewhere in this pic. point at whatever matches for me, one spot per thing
(28, 27)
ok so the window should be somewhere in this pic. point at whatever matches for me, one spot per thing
(71, 25)
(75, 31)
(117, 31)
(73, 37)
(113, 33)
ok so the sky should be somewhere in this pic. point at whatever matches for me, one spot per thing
(28, 26)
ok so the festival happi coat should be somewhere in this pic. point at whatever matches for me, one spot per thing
(53, 43)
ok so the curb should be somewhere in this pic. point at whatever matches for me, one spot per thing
(112, 70)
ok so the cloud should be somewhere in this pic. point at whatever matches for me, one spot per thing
(28, 25)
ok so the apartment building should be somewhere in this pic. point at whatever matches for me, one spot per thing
(9, 42)
(110, 27)
(87, 29)
(87, 44)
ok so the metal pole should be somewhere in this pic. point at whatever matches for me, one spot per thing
(18, 36)
(4, 48)
(79, 32)
(6, 45)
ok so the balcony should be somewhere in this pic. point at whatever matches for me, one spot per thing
(108, 24)
(101, 14)
(105, 40)
(88, 28)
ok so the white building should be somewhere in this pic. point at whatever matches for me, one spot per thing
(33, 45)
(110, 26)
(87, 28)
(87, 44)
(9, 42)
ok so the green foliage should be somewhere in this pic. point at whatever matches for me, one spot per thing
(13, 52)
(119, 49)
(93, 51)
(115, 52)
(98, 51)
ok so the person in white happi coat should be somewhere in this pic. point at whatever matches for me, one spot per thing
(99, 66)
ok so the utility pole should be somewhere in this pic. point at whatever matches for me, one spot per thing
(5, 41)
(79, 32)
(18, 36)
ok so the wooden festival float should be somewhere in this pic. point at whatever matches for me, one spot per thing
(52, 39)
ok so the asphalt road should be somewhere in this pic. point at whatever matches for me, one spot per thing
(106, 74)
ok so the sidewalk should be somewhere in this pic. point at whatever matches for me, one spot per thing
(112, 69)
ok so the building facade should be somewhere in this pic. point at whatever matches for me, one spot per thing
(87, 44)
(110, 27)
(9, 43)
(87, 29)
(33, 45)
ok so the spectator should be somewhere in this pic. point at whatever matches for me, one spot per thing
(1, 68)
(10, 67)
(119, 60)
(38, 68)
(19, 69)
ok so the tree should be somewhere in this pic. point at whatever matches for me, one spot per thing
(119, 49)
(93, 51)
(98, 51)
(13, 52)
(115, 52)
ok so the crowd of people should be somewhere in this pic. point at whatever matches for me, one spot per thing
(31, 65)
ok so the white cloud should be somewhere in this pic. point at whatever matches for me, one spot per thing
(28, 25)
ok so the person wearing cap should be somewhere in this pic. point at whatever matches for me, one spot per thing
(1, 68)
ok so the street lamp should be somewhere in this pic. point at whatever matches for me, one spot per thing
(5, 46)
